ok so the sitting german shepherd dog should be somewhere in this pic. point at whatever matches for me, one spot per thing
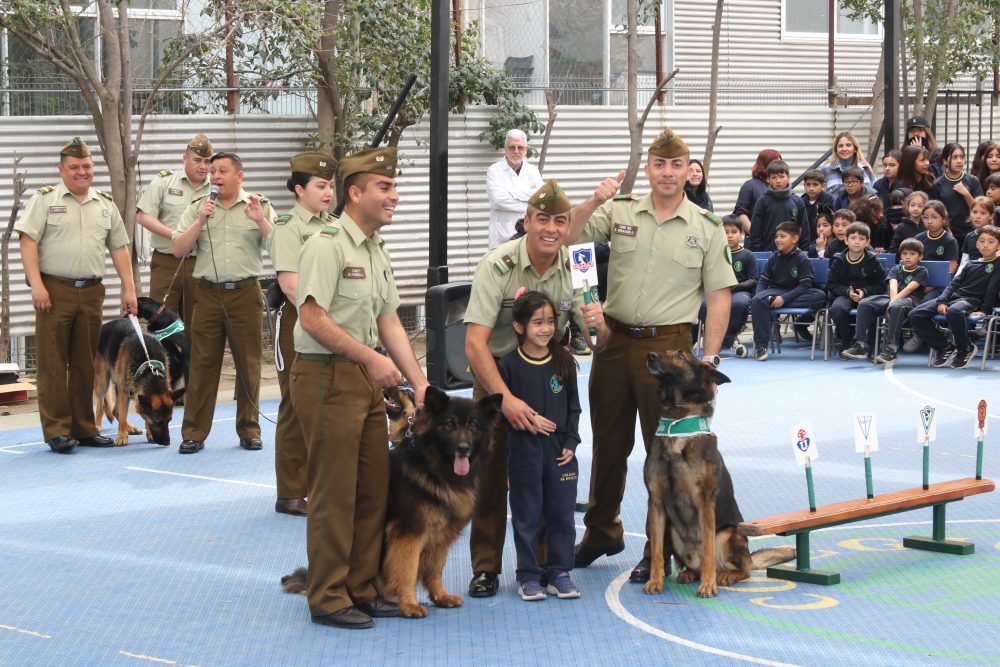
(690, 490)
(433, 485)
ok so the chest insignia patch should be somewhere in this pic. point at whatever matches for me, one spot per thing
(106, 213)
(507, 303)
(175, 191)
(565, 304)
(555, 384)
(354, 273)
(625, 230)
(795, 272)
(692, 241)
(57, 209)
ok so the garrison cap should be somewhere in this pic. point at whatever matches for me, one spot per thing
(550, 198)
(75, 148)
(380, 161)
(314, 163)
(668, 145)
(200, 145)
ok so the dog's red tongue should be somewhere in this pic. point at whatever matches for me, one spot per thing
(461, 465)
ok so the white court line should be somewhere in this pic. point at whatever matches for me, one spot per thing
(24, 632)
(203, 477)
(929, 399)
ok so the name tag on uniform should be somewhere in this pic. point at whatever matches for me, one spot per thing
(354, 272)
(57, 209)
(507, 303)
(175, 191)
(625, 230)
(106, 212)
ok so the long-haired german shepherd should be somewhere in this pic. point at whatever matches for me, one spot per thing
(433, 484)
(690, 490)
(121, 363)
(160, 321)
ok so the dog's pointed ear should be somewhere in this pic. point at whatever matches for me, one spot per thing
(490, 407)
(177, 394)
(717, 377)
(435, 400)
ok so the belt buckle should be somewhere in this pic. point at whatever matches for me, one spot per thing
(229, 285)
(79, 283)
(635, 332)
(652, 332)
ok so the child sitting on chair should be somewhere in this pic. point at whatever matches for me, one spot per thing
(854, 275)
(787, 282)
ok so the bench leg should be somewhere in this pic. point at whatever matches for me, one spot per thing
(802, 572)
(938, 542)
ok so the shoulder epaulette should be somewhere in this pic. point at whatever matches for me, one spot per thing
(165, 172)
(504, 264)
(329, 231)
(106, 195)
(711, 216)
(626, 197)
(282, 219)
(46, 190)
(262, 198)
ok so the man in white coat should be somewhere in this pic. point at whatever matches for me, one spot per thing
(510, 182)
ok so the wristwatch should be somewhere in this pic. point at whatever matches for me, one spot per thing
(715, 360)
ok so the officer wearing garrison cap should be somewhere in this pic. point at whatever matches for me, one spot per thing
(666, 255)
(347, 301)
(161, 207)
(537, 261)
(312, 183)
(64, 232)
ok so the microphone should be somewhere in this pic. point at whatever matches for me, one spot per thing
(213, 193)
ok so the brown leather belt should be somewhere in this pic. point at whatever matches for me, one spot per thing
(75, 282)
(646, 332)
(229, 284)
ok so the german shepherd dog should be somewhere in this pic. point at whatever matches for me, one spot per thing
(433, 484)
(690, 490)
(121, 363)
(159, 320)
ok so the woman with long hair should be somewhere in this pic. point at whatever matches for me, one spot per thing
(986, 162)
(915, 169)
(755, 186)
(696, 187)
(918, 133)
(846, 153)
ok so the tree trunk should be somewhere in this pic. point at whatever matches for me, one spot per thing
(550, 104)
(878, 109)
(713, 94)
(634, 126)
(330, 111)
(19, 188)
(918, 69)
(934, 82)
(904, 69)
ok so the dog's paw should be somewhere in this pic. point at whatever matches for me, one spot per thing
(653, 587)
(686, 576)
(729, 578)
(133, 430)
(708, 589)
(411, 610)
(448, 601)
(121, 442)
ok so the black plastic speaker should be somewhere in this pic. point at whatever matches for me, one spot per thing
(447, 365)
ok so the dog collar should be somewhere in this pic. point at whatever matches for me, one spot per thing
(155, 366)
(683, 426)
(169, 331)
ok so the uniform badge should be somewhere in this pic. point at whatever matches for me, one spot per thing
(175, 191)
(989, 268)
(354, 273)
(507, 303)
(565, 304)
(106, 213)
(625, 230)
(738, 266)
(939, 250)
(555, 384)
(692, 241)
(57, 209)
(795, 272)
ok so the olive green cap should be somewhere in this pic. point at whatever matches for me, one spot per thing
(668, 145)
(75, 148)
(314, 163)
(200, 145)
(550, 198)
(380, 161)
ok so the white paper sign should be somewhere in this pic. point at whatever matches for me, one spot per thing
(583, 265)
(804, 444)
(865, 432)
(927, 424)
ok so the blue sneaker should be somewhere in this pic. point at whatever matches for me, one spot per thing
(563, 587)
(531, 590)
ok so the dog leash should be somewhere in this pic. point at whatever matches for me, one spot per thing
(154, 366)
(170, 286)
(279, 359)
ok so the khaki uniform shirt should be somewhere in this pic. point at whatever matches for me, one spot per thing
(290, 232)
(348, 274)
(659, 272)
(72, 237)
(499, 275)
(230, 243)
(167, 198)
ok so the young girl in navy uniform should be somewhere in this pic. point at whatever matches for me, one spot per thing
(542, 466)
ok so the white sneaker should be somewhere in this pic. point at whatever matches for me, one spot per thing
(738, 349)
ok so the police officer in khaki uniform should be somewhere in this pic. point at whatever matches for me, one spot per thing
(64, 233)
(229, 232)
(537, 261)
(312, 184)
(161, 208)
(666, 254)
(347, 303)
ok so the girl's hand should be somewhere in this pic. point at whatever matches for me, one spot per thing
(566, 457)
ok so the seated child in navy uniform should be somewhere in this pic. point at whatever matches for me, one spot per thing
(911, 225)
(775, 206)
(542, 467)
(854, 187)
(906, 282)
(992, 187)
(854, 274)
(980, 215)
(815, 197)
(824, 234)
(939, 244)
(842, 219)
(972, 292)
(787, 282)
(745, 267)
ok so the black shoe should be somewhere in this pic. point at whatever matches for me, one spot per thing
(351, 618)
(191, 447)
(888, 356)
(640, 573)
(943, 356)
(484, 585)
(96, 441)
(252, 444)
(584, 555)
(854, 351)
(63, 444)
(293, 506)
(964, 357)
(378, 608)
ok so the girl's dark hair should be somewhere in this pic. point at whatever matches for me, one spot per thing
(897, 198)
(979, 168)
(949, 149)
(940, 209)
(907, 176)
(824, 212)
(297, 178)
(865, 207)
(525, 307)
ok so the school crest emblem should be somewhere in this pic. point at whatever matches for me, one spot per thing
(795, 272)
(939, 250)
(738, 265)
(555, 384)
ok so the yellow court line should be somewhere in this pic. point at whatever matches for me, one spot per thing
(209, 479)
(25, 632)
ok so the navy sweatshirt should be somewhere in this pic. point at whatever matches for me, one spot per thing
(536, 382)
(792, 272)
(867, 274)
(745, 268)
(773, 208)
(978, 283)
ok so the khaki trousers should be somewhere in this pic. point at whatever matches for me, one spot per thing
(342, 413)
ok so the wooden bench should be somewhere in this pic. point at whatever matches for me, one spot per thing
(800, 523)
